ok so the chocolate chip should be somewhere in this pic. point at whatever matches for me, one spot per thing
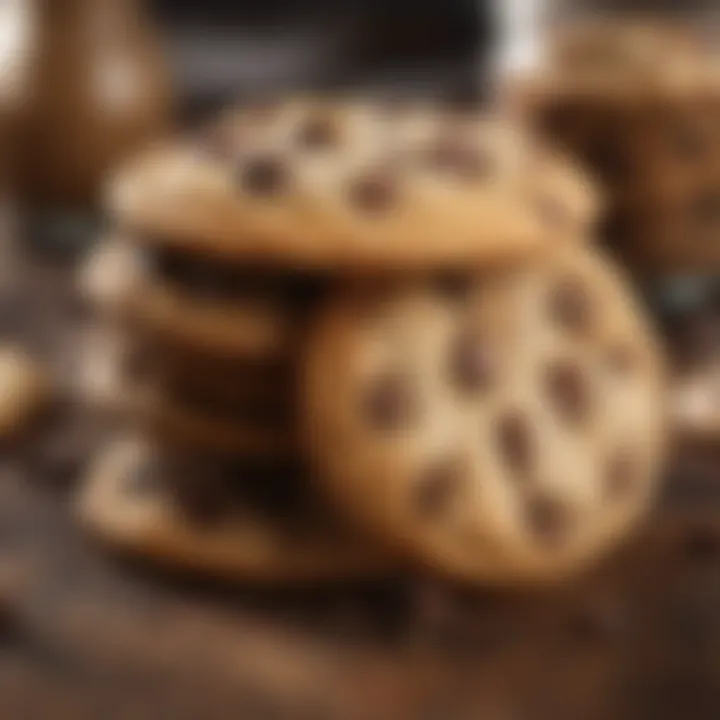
(568, 391)
(570, 305)
(437, 486)
(514, 439)
(265, 175)
(374, 193)
(620, 475)
(472, 363)
(454, 156)
(548, 520)
(317, 133)
(390, 402)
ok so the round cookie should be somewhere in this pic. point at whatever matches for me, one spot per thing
(25, 390)
(126, 503)
(114, 378)
(117, 280)
(322, 184)
(507, 429)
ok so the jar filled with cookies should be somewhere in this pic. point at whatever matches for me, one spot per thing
(632, 91)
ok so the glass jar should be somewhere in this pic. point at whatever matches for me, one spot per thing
(633, 90)
(525, 28)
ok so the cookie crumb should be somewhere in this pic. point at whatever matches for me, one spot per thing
(266, 176)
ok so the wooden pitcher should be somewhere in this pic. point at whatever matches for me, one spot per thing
(88, 88)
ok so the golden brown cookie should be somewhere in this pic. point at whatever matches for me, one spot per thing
(341, 184)
(507, 430)
(119, 279)
(127, 502)
(113, 376)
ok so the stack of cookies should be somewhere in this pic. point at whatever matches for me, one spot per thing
(346, 336)
(638, 101)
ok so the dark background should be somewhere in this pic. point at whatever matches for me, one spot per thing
(226, 47)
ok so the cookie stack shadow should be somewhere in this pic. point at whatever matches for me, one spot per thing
(341, 338)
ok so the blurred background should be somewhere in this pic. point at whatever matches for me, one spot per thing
(221, 48)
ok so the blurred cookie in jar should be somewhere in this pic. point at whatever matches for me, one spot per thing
(634, 100)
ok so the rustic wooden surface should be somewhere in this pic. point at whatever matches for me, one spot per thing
(83, 635)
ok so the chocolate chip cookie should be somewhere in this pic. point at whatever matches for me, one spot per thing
(129, 503)
(505, 429)
(178, 302)
(118, 377)
(340, 185)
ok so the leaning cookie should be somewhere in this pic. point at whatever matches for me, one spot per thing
(25, 389)
(118, 279)
(335, 185)
(506, 430)
(126, 503)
